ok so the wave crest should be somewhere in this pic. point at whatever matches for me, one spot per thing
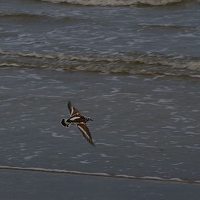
(138, 63)
(117, 2)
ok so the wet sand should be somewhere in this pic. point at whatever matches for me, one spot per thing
(19, 185)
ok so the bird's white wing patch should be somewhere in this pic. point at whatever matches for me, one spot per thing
(74, 118)
(84, 132)
(73, 111)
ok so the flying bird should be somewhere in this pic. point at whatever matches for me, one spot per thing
(80, 121)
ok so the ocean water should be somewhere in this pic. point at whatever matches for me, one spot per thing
(106, 36)
(132, 66)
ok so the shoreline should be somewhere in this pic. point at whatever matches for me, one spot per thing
(32, 185)
(104, 175)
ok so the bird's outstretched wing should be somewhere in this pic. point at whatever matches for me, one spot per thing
(86, 133)
(73, 111)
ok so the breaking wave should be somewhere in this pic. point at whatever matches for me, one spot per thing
(138, 63)
(117, 2)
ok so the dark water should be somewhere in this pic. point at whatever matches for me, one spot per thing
(143, 126)
(137, 39)
(134, 69)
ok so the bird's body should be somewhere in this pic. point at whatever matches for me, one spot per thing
(79, 120)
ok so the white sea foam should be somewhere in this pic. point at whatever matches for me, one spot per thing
(54, 134)
(106, 144)
(28, 157)
(169, 127)
(80, 155)
(165, 101)
(84, 162)
(106, 156)
(124, 176)
(116, 2)
(175, 164)
(107, 64)
(192, 147)
(36, 153)
(4, 88)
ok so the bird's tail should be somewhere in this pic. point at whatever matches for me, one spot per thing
(64, 122)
